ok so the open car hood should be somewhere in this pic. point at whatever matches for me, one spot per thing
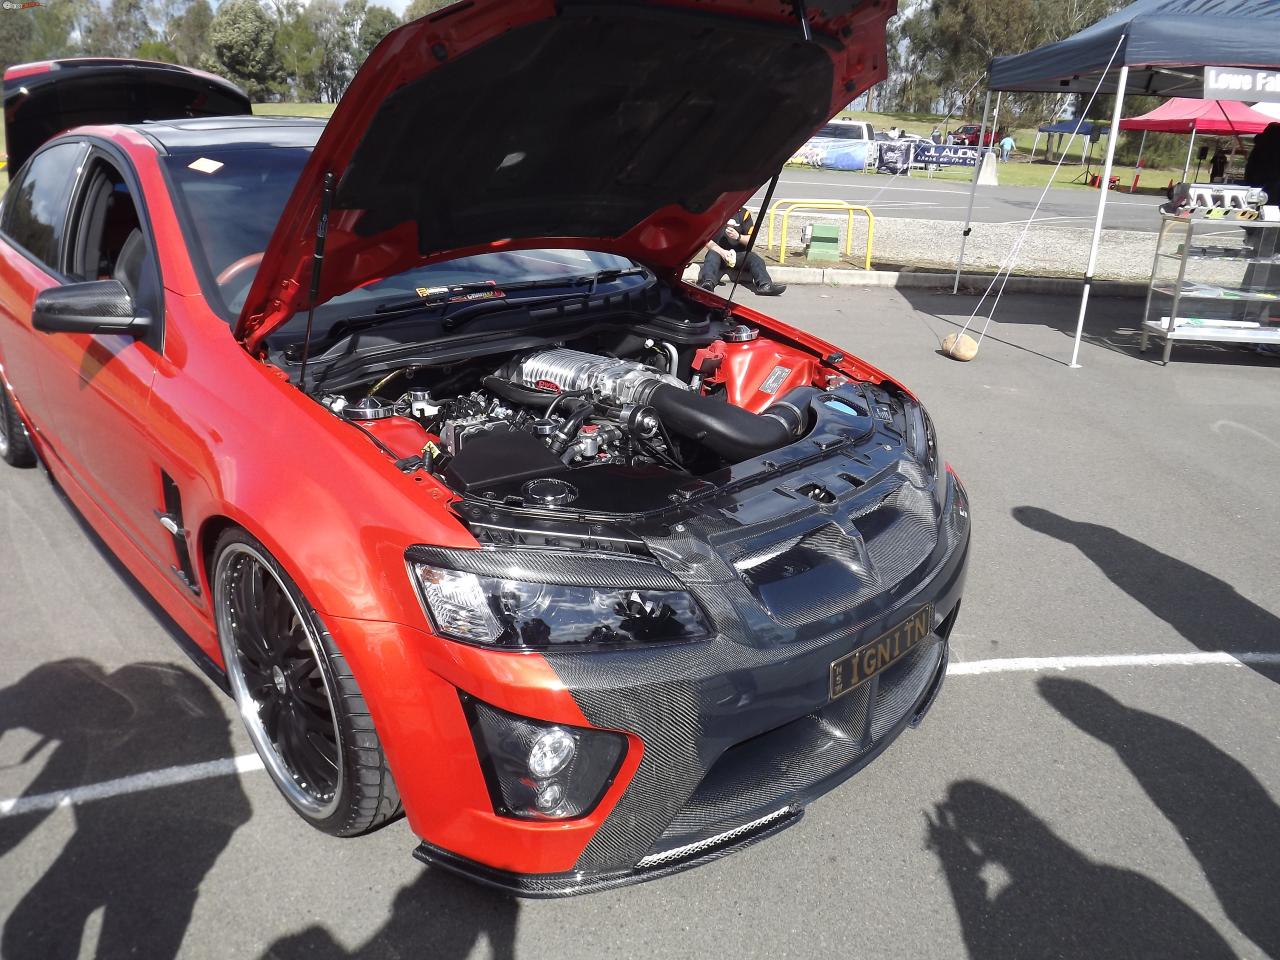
(624, 127)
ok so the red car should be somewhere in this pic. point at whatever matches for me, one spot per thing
(968, 135)
(410, 423)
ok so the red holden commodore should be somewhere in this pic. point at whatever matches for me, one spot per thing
(472, 504)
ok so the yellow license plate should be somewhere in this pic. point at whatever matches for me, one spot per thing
(854, 669)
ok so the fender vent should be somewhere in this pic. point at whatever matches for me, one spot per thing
(171, 520)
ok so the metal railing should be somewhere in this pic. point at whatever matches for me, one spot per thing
(791, 206)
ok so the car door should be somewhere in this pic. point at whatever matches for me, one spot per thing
(33, 227)
(98, 388)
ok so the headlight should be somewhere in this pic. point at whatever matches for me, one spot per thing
(534, 599)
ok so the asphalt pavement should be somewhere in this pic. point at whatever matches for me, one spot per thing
(1097, 779)
(917, 196)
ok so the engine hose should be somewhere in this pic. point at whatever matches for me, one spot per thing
(730, 431)
(526, 396)
(568, 430)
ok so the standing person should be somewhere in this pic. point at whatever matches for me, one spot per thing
(729, 252)
(1006, 147)
(1218, 165)
(1263, 166)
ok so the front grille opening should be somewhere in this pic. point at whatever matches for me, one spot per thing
(774, 768)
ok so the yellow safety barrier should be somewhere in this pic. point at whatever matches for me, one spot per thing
(794, 205)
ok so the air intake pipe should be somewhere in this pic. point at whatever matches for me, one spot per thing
(730, 431)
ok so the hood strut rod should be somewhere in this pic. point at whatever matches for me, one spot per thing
(317, 262)
(803, 16)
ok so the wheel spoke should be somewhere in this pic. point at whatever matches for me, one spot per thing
(256, 678)
(269, 714)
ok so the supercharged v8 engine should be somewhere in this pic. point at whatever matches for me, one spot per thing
(525, 428)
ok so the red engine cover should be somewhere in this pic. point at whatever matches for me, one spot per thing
(404, 436)
(757, 372)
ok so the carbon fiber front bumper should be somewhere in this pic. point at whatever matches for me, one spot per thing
(740, 732)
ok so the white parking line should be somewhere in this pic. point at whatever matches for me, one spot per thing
(1038, 664)
(247, 763)
(151, 780)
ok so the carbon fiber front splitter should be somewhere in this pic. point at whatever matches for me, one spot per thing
(546, 886)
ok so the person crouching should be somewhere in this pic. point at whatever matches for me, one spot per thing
(729, 252)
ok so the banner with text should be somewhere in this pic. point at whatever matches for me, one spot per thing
(1242, 83)
(945, 155)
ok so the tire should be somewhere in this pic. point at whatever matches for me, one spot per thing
(15, 445)
(297, 697)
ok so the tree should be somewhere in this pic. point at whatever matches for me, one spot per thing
(189, 33)
(62, 29)
(242, 38)
(943, 47)
(124, 29)
(334, 72)
(16, 33)
(156, 50)
(420, 8)
(377, 23)
(299, 51)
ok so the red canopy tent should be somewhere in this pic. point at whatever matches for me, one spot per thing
(1219, 118)
(1216, 118)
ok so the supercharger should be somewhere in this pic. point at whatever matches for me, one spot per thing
(618, 381)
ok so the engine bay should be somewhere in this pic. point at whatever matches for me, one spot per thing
(594, 422)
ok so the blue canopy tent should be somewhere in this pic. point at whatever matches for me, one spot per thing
(1085, 128)
(1158, 47)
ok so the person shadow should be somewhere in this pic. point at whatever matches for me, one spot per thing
(1209, 612)
(1226, 817)
(438, 915)
(138, 857)
(1023, 892)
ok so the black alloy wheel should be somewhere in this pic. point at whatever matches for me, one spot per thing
(15, 445)
(299, 702)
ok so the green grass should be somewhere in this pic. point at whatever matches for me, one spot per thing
(293, 109)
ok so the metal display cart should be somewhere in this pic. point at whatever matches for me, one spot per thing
(1215, 279)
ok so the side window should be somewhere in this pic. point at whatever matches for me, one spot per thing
(35, 209)
(108, 241)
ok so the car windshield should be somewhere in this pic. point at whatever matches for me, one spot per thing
(841, 131)
(230, 201)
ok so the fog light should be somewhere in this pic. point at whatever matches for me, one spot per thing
(537, 770)
(549, 797)
(551, 753)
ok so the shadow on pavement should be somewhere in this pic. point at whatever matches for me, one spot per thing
(139, 857)
(1021, 891)
(1207, 611)
(1227, 818)
(1113, 323)
(439, 915)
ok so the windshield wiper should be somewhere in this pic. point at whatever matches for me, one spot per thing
(460, 295)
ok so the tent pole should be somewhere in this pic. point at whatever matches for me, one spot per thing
(1034, 145)
(1102, 207)
(973, 188)
(1190, 146)
(1141, 146)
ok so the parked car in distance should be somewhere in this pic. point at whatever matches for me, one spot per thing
(967, 135)
(477, 509)
(839, 129)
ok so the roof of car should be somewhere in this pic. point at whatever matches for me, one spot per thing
(195, 135)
